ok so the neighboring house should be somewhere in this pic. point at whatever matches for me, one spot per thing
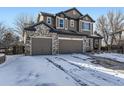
(65, 32)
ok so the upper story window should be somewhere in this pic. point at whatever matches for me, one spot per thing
(71, 23)
(61, 23)
(49, 20)
(86, 26)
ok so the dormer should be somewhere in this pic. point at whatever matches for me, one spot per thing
(47, 18)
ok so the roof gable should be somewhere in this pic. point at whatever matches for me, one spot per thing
(71, 13)
(73, 9)
(87, 18)
(32, 27)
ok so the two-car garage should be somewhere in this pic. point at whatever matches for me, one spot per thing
(43, 46)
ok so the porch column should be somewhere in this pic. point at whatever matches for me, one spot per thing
(91, 44)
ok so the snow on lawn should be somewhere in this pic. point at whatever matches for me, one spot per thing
(113, 56)
(79, 66)
(71, 69)
(32, 70)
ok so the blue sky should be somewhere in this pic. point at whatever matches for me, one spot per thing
(8, 15)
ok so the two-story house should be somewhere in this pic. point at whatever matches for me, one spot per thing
(65, 32)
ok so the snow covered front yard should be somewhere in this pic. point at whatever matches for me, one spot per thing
(56, 70)
(112, 56)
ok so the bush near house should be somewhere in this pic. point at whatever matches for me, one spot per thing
(18, 49)
(2, 58)
(13, 49)
(114, 48)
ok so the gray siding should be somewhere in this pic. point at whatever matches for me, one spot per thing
(52, 20)
(75, 28)
(70, 13)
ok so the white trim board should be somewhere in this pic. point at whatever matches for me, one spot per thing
(62, 38)
(42, 37)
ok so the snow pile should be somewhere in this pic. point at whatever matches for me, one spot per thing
(1, 55)
(112, 56)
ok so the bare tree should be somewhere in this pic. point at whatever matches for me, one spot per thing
(21, 22)
(103, 27)
(109, 24)
(116, 22)
(3, 29)
(8, 39)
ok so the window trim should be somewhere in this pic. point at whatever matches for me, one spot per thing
(71, 23)
(84, 29)
(50, 20)
(82, 21)
(58, 27)
(62, 22)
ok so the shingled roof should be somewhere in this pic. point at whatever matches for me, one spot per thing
(87, 15)
(32, 28)
(70, 10)
(72, 17)
(49, 14)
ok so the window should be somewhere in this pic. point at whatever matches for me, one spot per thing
(71, 23)
(61, 23)
(49, 20)
(85, 26)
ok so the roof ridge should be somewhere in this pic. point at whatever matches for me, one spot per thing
(70, 10)
(47, 13)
